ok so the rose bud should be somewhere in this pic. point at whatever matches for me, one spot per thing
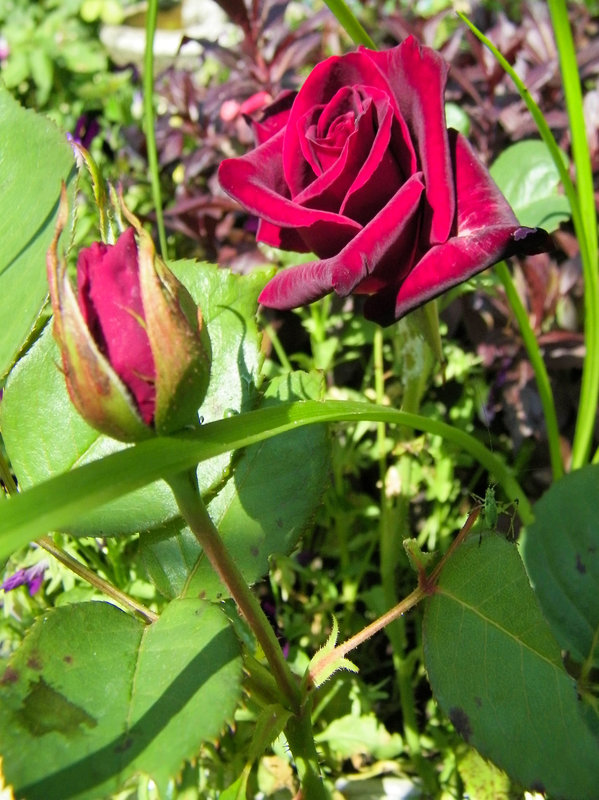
(135, 353)
(360, 168)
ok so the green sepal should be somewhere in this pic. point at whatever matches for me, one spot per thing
(179, 342)
(419, 560)
(318, 673)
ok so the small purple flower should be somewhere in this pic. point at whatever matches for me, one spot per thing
(30, 576)
(87, 128)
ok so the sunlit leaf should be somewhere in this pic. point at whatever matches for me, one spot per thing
(496, 671)
(34, 157)
(94, 696)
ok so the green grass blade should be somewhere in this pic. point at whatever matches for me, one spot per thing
(589, 391)
(538, 365)
(59, 501)
(351, 24)
(148, 105)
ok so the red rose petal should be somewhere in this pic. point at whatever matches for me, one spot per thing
(417, 77)
(378, 179)
(362, 151)
(256, 181)
(321, 85)
(110, 301)
(382, 246)
(487, 232)
(479, 201)
(274, 117)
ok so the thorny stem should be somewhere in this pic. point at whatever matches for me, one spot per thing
(426, 587)
(187, 495)
(300, 737)
(298, 731)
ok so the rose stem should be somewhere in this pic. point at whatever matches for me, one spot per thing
(300, 737)
(299, 728)
(392, 531)
(187, 495)
(425, 589)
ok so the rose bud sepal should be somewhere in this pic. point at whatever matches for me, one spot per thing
(94, 387)
(178, 339)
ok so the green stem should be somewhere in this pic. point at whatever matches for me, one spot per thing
(300, 737)
(299, 727)
(589, 390)
(148, 104)
(76, 566)
(96, 581)
(538, 365)
(350, 22)
(392, 531)
(6, 475)
(278, 347)
(189, 501)
(426, 587)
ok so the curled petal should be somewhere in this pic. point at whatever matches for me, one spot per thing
(460, 258)
(417, 77)
(384, 245)
(256, 180)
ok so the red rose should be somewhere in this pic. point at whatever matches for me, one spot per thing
(360, 169)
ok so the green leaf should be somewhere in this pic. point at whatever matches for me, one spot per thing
(496, 671)
(560, 553)
(237, 790)
(259, 511)
(94, 696)
(482, 780)
(528, 177)
(456, 117)
(45, 436)
(351, 735)
(34, 157)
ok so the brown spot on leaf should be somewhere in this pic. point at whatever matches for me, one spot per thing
(254, 551)
(123, 745)
(67, 659)
(10, 676)
(478, 702)
(579, 564)
(461, 722)
(34, 662)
